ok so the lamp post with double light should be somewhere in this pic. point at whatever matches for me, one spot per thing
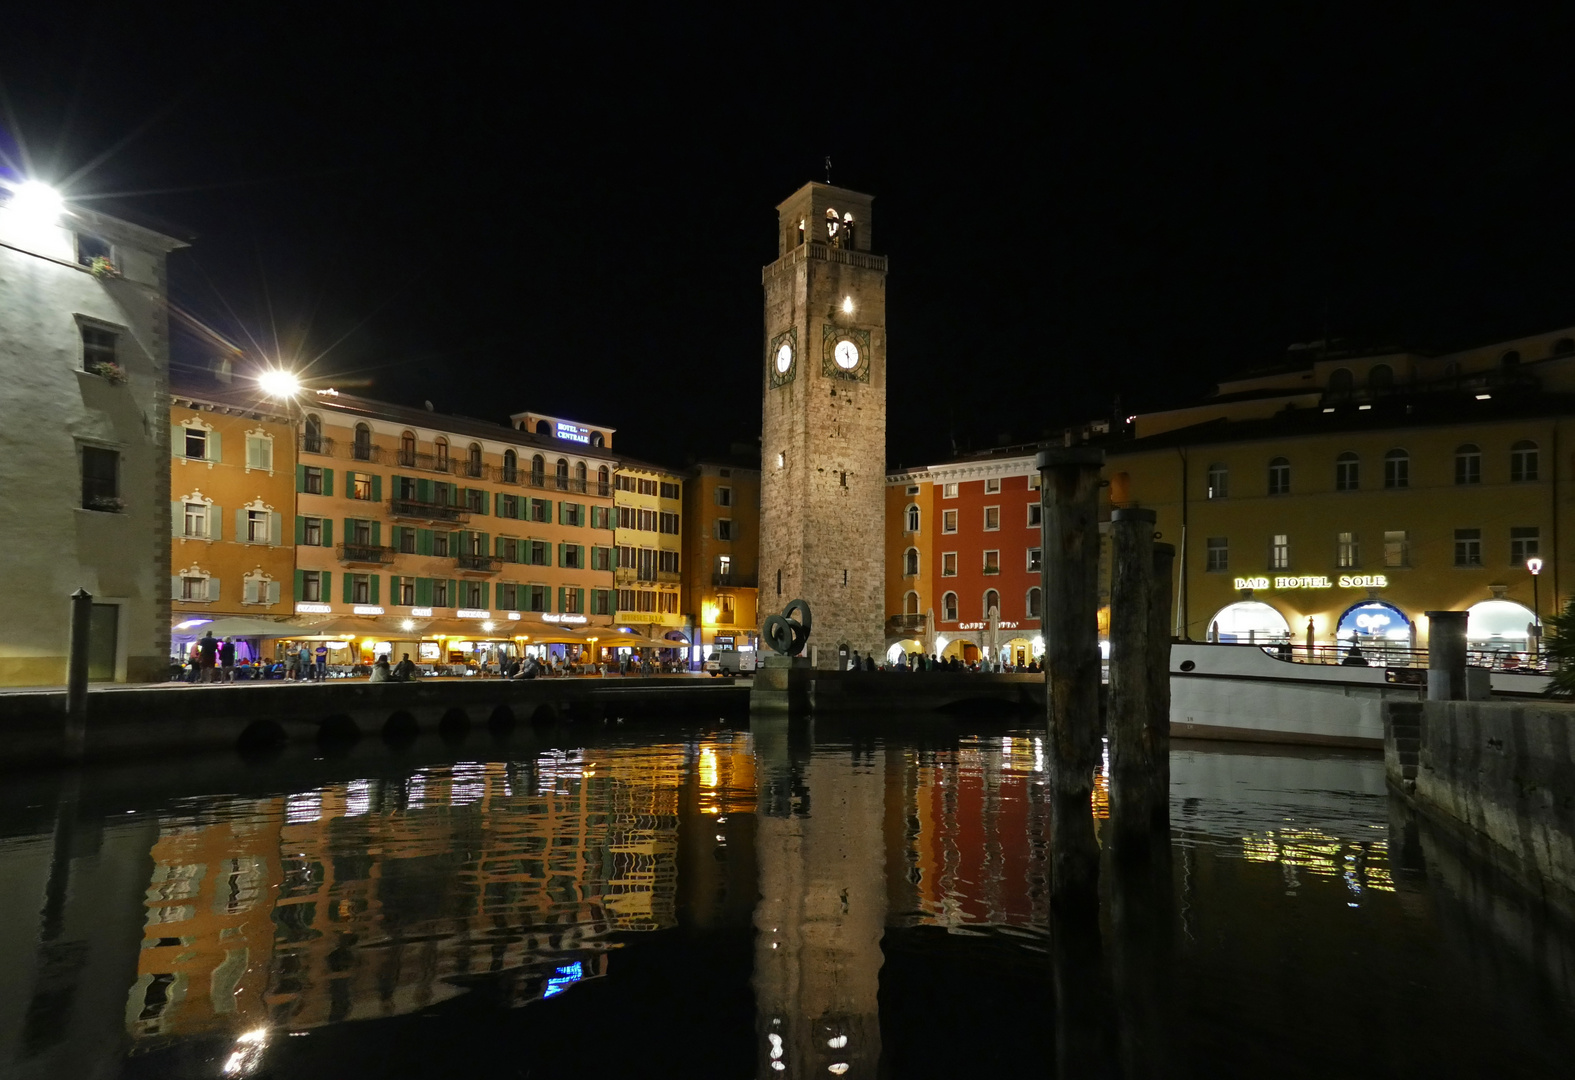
(1534, 565)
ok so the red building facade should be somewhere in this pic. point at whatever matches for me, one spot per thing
(976, 546)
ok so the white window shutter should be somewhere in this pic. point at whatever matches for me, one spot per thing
(253, 452)
(215, 522)
(249, 590)
(265, 453)
(275, 529)
(175, 586)
(215, 452)
(240, 527)
(273, 592)
(178, 518)
(213, 588)
(178, 440)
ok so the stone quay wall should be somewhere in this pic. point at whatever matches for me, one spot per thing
(1499, 774)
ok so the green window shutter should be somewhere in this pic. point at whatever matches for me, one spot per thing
(423, 592)
(328, 532)
(345, 588)
(423, 541)
(483, 510)
(325, 590)
(393, 588)
(300, 529)
(215, 447)
(377, 488)
(560, 554)
(453, 593)
(300, 583)
(454, 540)
(485, 538)
(497, 504)
(300, 478)
(562, 506)
(579, 551)
(486, 590)
(373, 594)
(561, 592)
(377, 534)
(582, 516)
(398, 535)
(349, 530)
(454, 496)
(328, 481)
(424, 491)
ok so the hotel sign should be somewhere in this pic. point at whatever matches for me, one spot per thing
(572, 432)
(472, 613)
(367, 609)
(1314, 581)
(575, 619)
(313, 609)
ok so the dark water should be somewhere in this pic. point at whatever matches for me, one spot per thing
(709, 902)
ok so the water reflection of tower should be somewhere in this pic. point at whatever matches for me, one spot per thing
(821, 854)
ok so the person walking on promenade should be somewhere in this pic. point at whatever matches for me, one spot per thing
(227, 660)
(321, 666)
(869, 662)
(209, 657)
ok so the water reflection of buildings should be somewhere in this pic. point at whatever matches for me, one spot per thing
(376, 898)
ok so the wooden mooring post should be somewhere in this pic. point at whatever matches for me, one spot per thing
(1070, 490)
(1129, 716)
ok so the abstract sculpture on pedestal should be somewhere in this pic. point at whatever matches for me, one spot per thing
(787, 635)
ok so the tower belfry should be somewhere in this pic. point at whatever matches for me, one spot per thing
(823, 444)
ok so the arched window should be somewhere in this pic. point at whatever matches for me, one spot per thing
(910, 603)
(1510, 360)
(1564, 347)
(1468, 464)
(1279, 477)
(511, 466)
(407, 449)
(362, 449)
(312, 440)
(1381, 379)
(601, 480)
(598, 439)
(1397, 469)
(474, 462)
(563, 474)
(538, 470)
(1347, 473)
(1341, 381)
(1523, 461)
(579, 476)
(1034, 606)
(949, 607)
(543, 428)
(913, 518)
(992, 599)
(910, 563)
(1219, 482)
(440, 455)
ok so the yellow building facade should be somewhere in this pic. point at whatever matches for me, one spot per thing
(722, 555)
(649, 563)
(232, 509)
(451, 539)
(1339, 499)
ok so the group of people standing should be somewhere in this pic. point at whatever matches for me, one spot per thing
(304, 663)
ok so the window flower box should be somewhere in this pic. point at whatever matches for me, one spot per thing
(109, 504)
(108, 370)
(101, 268)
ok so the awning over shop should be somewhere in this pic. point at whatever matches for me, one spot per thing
(195, 626)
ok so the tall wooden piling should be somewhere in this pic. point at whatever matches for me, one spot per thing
(1161, 592)
(1128, 715)
(1070, 490)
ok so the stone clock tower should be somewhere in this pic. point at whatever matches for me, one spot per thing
(823, 444)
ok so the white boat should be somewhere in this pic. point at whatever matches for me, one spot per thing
(1256, 693)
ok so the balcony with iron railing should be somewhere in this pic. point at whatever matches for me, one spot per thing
(734, 580)
(475, 563)
(374, 455)
(367, 553)
(427, 511)
(671, 577)
(316, 444)
(411, 459)
(898, 623)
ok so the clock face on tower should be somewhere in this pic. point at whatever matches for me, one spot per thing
(782, 357)
(847, 355)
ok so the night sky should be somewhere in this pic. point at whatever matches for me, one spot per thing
(494, 211)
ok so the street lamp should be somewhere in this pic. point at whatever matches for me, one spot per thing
(37, 201)
(1534, 565)
(278, 383)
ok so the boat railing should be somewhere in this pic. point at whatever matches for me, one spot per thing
(1402, 656)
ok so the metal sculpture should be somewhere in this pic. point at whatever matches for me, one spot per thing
(785, 634)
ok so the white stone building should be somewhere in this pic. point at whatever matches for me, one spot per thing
(84, 472)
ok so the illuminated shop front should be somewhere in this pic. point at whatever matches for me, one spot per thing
(1499, 626)
(1248, 622)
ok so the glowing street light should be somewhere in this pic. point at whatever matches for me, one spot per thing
(847, 305)
(1534, 565)
(278, 383)
(37, 201)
